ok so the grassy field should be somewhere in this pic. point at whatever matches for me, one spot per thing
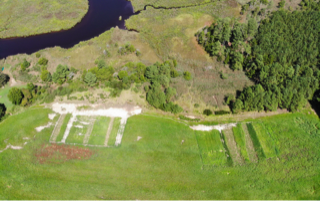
(25, 18)
(114, 131)
(211, 149)
(241, 141)
(63, 127)
(158, 166)
(99, 131)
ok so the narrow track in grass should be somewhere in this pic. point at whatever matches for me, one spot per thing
(232, 145)
(109, 132)
(249, 144)
(89, 131)
(57, 128)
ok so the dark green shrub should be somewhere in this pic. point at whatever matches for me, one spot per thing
(3, 110)
(187, 75)
(4, 79)
(15, 95)
(207, 112)
(38, 55)
(221, 112)
(24, 65)
(196, 105)
(43, 61)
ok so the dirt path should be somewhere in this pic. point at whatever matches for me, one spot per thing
(232, 145)
(250, 149)
(57, 128)
(109, 132)
(89, 131)
(120, 131)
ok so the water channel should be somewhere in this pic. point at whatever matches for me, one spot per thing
(101, 16)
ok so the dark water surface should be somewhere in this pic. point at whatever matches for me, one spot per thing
(102, 16)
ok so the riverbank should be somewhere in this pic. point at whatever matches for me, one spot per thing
(22, 19)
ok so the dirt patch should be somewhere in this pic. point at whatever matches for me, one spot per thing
(61, 153)
(60, 15)
(232, 3)
(48, 16)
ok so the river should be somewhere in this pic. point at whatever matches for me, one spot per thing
(101, 16)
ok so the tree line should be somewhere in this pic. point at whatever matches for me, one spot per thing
(281, 56)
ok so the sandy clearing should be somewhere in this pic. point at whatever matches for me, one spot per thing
(52, 116)
(63, 108)
(139, 138)
(12, 147)
(40, 128)
(210, 128)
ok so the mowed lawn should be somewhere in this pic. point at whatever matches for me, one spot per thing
(158, 166)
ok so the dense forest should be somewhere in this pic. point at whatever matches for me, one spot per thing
(281, 55)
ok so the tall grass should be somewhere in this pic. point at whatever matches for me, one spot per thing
(265, 140)
(256, 142)
(239, 137)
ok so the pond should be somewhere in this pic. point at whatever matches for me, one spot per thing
(102, 16)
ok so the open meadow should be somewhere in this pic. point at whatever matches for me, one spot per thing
(160, 159)
(25, 18)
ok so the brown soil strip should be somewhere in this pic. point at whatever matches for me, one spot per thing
(57, 128)
(89, 131)
(109, 132)
(250, 149)
(232, 145)
(61, 153)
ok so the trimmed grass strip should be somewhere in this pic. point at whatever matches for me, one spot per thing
(239, 137)
(211, 149)
(99, 131)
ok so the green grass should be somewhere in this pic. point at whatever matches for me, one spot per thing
(114, 131)
(211, 149)
(76, 134)
(17, 127)
(25, 18)
(63, 127)
(158, 166)
(265, 140)
(99, 131)
(256, 143)
(139, 4)
(239, 137)
(4, 96)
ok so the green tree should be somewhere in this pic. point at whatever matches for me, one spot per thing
(187, 75)
(43, 61)
(170, 92)
(122, 74)
(282, 3)
(90, 79)
(4, 79)
(156, 96)
(24, 65)
(60, 76)
(15, 95)
(46, 76)
(3, 110)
